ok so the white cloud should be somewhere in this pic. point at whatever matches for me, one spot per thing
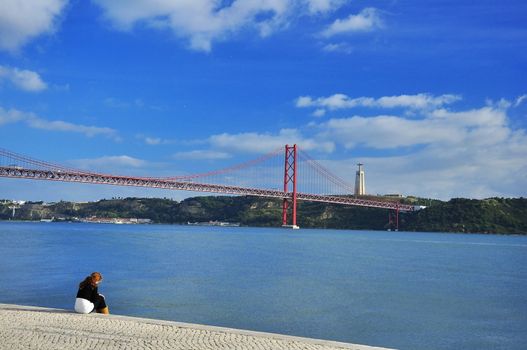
(261, 143)
(384, 132)
(342, 101)
(203, 22)
(322, 6)
(121, 165)
(520, 100)
(10, 116)
(23, 20)
(23, 79)
(480, 126)
(365, 21)
(319, 112)
(338, 47)
(109, 162)
(35, 122)
(202, 155)
(305, 101)
(154, 141)
(472, 153)
(419, 101)
(59, 125)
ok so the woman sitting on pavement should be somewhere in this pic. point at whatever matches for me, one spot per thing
(88, 297)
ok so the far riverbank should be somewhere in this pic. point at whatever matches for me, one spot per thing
(493, 215)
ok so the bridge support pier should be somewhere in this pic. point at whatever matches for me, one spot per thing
(393, 220)
(290, 169)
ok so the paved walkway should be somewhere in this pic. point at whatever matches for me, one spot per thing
(28, 327)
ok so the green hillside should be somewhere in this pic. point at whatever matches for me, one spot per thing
(494, 215)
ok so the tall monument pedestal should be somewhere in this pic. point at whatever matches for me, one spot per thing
(360, 185)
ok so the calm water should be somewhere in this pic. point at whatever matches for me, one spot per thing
(402, 290)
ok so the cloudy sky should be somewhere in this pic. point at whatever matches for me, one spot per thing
(430, 95)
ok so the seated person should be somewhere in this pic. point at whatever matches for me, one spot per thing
(88, 297)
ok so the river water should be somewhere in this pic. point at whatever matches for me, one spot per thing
(393, 289)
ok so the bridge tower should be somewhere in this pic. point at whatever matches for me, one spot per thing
(290, 170)
(393, 219)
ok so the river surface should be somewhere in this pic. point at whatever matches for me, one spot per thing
(393, 289)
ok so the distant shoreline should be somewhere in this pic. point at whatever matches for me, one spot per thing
(490, 216)
(262, 227)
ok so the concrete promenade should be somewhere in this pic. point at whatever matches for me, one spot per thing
(29, 327)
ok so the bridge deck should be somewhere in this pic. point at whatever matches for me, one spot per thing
(94, 178)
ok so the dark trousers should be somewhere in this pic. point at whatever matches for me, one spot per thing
(99, 302)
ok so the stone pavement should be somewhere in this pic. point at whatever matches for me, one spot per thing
(28, 327)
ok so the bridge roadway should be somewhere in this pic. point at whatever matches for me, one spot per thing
(170, 184)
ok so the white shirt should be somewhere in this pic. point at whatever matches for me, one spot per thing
(83, 306)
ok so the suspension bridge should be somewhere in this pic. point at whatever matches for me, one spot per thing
(288, 174)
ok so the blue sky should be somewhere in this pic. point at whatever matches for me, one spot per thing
(430, 95)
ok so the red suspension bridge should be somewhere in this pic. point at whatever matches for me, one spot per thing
(291, 176)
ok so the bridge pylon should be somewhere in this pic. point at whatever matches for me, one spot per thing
(393, 219)
(290, 172)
